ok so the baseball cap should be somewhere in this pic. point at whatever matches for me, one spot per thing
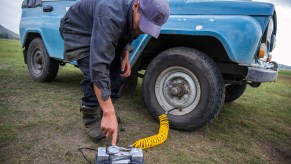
(153, 14)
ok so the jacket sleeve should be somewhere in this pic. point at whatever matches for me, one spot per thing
(104, 39)
(129, 47)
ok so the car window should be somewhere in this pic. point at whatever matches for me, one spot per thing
(31, 3)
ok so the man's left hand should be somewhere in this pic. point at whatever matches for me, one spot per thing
(125, 65)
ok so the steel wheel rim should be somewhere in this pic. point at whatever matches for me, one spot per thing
(37, 61)
(177, 87)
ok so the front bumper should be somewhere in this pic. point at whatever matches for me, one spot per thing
(261, 75)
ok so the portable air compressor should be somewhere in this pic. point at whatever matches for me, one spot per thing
(119, 155)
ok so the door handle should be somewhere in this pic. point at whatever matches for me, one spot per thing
(47, 8)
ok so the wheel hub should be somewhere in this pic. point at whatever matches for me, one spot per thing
(37, 61)
(178, 90)
(177, 87)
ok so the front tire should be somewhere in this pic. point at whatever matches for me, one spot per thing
(41, 67)
(185, 79)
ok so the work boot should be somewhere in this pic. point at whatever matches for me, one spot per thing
(91, 120)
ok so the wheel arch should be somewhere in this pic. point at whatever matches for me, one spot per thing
(228, 34)
(207, 44)
(26, 42)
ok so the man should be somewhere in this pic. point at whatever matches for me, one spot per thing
(98, 33)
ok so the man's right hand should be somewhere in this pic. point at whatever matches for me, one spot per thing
(109, 123)
(109, 126)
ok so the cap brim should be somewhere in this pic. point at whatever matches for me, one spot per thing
(148, 27)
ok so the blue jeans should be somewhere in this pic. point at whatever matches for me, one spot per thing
(89, 99)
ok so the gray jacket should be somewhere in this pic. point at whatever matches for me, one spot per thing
(101, 29)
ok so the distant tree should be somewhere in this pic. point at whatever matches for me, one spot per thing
(4, 36)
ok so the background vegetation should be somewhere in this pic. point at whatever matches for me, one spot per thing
(7, 34)
(41, 122)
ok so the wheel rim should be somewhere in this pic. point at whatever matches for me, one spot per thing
(177, 87)
(37, 61)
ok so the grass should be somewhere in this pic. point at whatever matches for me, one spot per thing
(41, 122)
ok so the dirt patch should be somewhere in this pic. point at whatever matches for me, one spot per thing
(276, 153)
(285, 77)
(4, 66)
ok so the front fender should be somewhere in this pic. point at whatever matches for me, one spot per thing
(25, 33)
(240, 35)
(51, 50)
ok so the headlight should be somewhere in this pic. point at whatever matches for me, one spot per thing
(267, 45)
(270, 30)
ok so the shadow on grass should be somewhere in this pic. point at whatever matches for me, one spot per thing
(68, 79)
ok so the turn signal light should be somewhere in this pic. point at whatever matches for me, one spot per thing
(262, 51)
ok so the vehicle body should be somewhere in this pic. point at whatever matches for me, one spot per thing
(206, 54)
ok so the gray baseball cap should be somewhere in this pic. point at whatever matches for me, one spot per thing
(153, 14)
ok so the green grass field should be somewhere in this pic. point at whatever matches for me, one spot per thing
(41, 122)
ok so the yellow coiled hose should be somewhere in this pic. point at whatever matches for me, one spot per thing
(157, 139)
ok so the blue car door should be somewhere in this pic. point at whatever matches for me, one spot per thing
(52, 12)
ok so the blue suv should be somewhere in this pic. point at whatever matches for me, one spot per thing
(207, 54)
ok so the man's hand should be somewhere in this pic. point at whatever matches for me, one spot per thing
(125, 66)
(109, 126)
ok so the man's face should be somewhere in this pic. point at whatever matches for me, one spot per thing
(136, 18)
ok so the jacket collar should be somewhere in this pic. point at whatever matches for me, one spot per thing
(130, 20)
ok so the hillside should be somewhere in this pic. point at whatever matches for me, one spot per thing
(7, 34)
(282, 66)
